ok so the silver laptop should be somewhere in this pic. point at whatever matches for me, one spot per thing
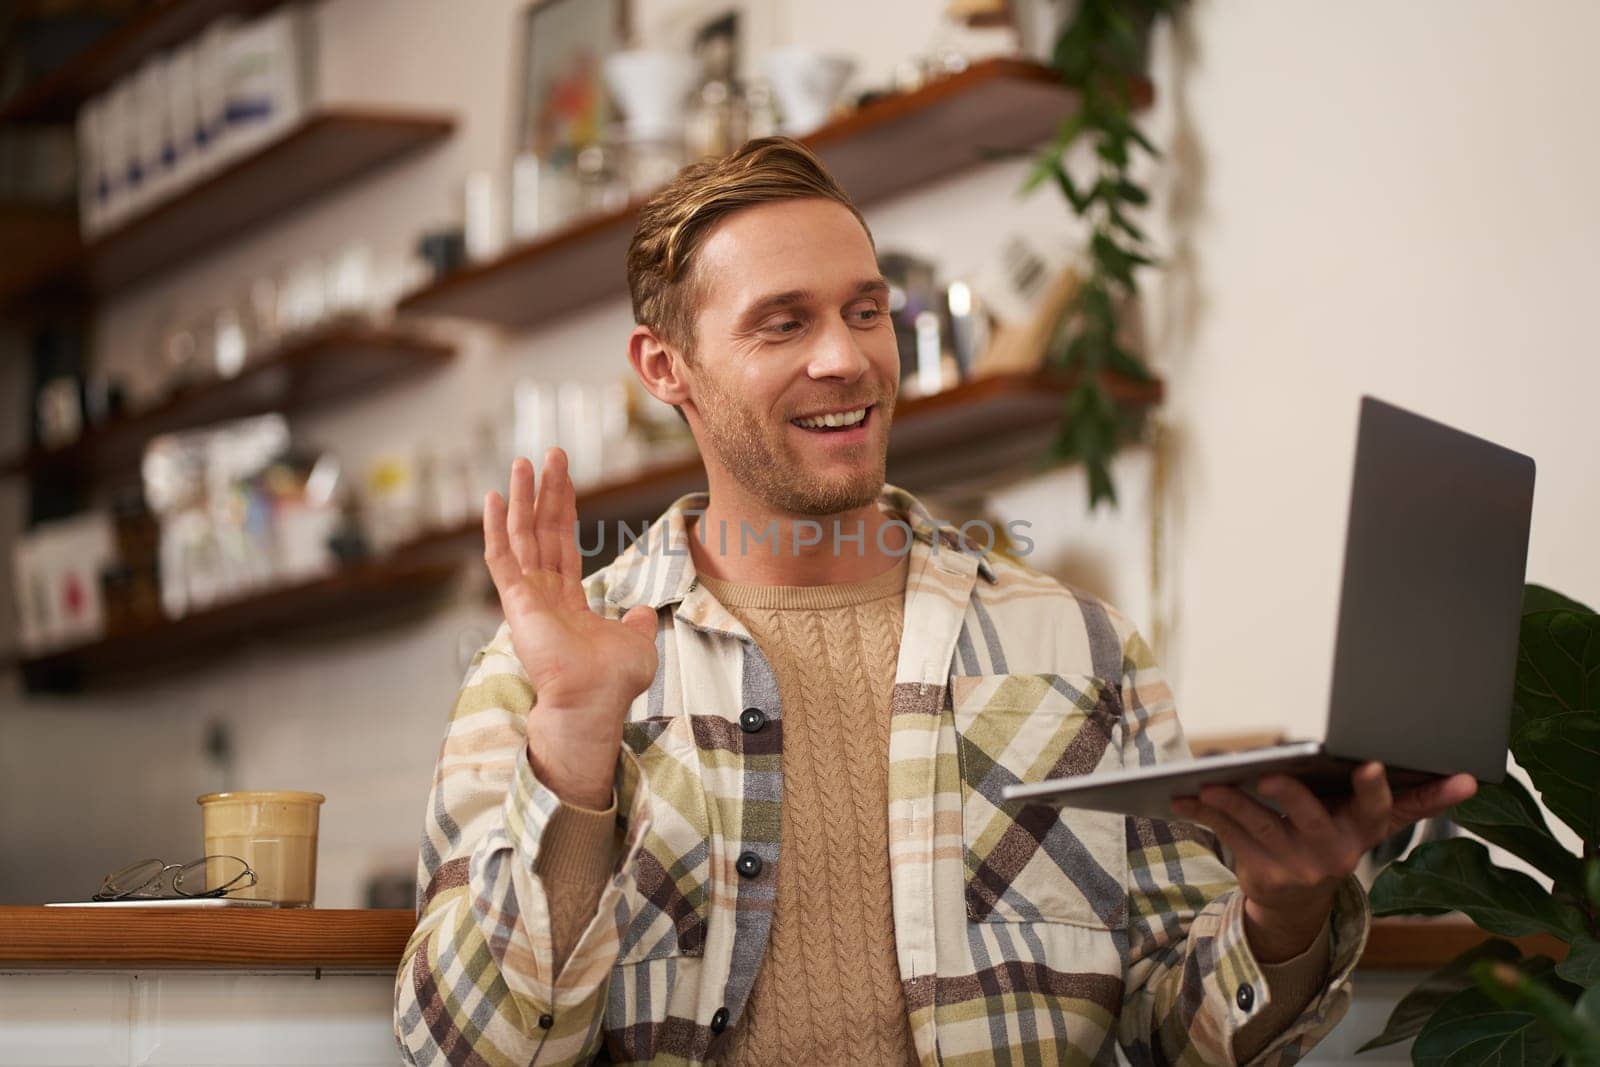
(1425, 659)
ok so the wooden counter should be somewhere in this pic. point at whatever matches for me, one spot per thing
(369, 941)
(200, 938)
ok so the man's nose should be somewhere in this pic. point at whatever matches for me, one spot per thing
(837, 354)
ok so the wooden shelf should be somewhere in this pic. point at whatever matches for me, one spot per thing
(329, 149)
(884, 148)
(966, 431)
(56, 96)
(327, 367)
(41, 247)
(375, 940)
(354, 598)
(979, 431)
(1404, 943)
(990, 429)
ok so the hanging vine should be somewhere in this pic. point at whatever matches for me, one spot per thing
(1101, 55)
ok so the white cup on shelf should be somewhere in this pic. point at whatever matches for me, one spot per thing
(651, 87)
(806, 83)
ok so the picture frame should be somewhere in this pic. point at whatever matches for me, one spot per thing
(562, 102)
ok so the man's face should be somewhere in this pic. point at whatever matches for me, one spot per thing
(794, 324)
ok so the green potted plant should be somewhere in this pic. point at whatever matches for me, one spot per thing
(1492, 1004)
(1101, 55)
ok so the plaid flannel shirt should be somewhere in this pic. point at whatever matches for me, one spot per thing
(1023, 934)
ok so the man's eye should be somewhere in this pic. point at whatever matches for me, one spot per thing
(867, 314)
(784, 326)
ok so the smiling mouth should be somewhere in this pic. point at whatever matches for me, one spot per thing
(836, 422)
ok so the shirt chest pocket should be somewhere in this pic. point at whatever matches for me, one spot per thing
(670, 895)
(1033, 862)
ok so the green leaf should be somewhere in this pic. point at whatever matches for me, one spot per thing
(1079, 201)
(1470, 1030)
(1417, 1007)
(1456, 875)
(1504, 813)
(1121, 222)
(1043, 167)
(1582, 965)
(1133, 194)
(1587, 1008)
(1113, 150)
(1126, 364)
(1097, 305)
(1142, 141)
(1552, 1006)
(1101, 489)
(1558, 663)
(1538, 598)
(1561, 754)
(1049, 159)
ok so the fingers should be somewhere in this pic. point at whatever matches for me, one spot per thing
(1263, 825)
(641, 617)
(503, 566)
(1304, 810)
(550, 510)
(1373, 803)
(520, 524)
(1246, 851)
(567, 536)
(1432, 799)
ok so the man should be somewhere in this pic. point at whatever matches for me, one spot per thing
(735, 798)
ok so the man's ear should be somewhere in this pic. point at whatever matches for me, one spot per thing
(660, 366)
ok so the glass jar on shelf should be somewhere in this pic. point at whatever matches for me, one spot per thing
(651, 165)
(544, 193)
(602, 187)
(761, 110)
(717, 121)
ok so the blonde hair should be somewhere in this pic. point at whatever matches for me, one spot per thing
(674, 223)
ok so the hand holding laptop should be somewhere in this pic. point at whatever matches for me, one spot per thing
(1289, 866)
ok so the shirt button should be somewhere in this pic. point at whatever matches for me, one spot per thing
(748, 864)
(1245, 997)
(719, 1021)
(546, 1021)
(751, 720)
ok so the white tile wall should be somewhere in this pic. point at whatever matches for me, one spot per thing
(262, 1021)
(117, 1020)
(78, 1020)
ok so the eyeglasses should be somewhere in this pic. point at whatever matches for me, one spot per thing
(208, 876)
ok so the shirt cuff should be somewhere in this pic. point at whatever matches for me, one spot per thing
(1256, 993)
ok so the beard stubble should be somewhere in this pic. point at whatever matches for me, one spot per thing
(757, 454)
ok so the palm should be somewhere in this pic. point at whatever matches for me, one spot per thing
(570, 653)
(585, 669)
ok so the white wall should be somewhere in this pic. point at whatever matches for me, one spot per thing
(1363, 197)
(1388, 198)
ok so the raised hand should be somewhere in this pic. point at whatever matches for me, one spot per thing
(1290, 865)
(585, 669)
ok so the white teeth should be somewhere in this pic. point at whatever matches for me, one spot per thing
(845, 418)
